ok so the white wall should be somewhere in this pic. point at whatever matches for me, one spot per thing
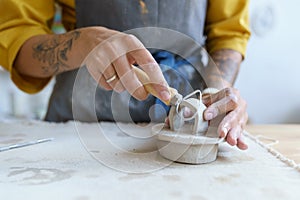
(270, 76)
(16, 104)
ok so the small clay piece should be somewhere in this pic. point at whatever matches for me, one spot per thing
(185, 141)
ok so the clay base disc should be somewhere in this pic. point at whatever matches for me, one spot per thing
(191, 154)
(184, 147)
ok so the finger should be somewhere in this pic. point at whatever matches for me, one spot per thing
(145, 60)
(237, 117)
(98, 65)
(108, 74)
(103, 84)
(129, 79)
(209, 99)
(111, 78)
(99, 77)
(118, 87)
(233, 135)
(222, 106)
(229, 102)
(224, 129)
(241, 144)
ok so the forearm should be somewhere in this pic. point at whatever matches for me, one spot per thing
(47, 55)
(226, 70)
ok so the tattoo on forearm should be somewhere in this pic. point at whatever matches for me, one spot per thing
(53, 53)
(228, 64)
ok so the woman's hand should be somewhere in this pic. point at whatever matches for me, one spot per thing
(108, 55)
(110, 62)
(229, 103)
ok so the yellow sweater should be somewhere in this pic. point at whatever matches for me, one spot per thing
(227, 26)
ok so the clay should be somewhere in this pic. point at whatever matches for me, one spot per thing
(186, 141)
(182, 146)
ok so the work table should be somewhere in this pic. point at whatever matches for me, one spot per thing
(100, 161)
(288, 137)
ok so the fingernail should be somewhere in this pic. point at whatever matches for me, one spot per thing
(165, 95)
(209, 116)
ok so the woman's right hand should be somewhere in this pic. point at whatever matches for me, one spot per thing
(108, 55)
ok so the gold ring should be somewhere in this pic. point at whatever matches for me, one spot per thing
(111, 79)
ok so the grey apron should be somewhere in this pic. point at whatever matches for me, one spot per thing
(76, 95)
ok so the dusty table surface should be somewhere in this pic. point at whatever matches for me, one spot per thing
(101, 161)
(288, 136)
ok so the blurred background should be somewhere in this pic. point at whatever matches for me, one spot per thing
(269, 79)
(270, 76)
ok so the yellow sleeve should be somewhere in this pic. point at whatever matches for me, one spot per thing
(227, 25)
(19, 21)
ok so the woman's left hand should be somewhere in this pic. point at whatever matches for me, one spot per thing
(228, 102)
